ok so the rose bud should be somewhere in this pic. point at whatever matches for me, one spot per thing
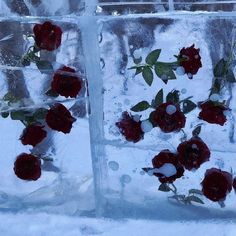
(190, 60)
(168, 117)
(167, 167)
(27, 167)
(213, 113)
(216, 184)
(193, 153)
(59, 118)
(47, 36)
(33, 134)
(130, 128)
(66, 83)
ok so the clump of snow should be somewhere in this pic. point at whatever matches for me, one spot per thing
(146, 126)
(137, 53)
(171, 109)
(167, 170)
(180, 70)
(214, 97)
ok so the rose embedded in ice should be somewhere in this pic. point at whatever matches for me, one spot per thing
(215, 97)
(27, 167)
(160, 162)
(213, 113)
(190, 60)
(180, 70)
(146, 126)
(66, 83)
(168, 121)
(130, 128)
(33, 134)
(193, 153)
(47, 36)
(216, 184)
(59, 118)
(234, 184)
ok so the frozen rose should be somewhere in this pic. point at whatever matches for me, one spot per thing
(130, 128)
(213, 113)
(47, 36)
(59, 118)
(27, 167)
(66, 83)
(216, 184)
(168, 122)
(193, 153)
(33, 134)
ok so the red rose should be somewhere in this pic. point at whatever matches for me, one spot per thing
(190, 59)
(216, 184)
(166, 120)
(212, 113)
(66, 82)
(59, 118)
(130, 128)
(167, 157)
(27, 167)
(193, 153)
(234, 184)
(33, 134)
(47, 36)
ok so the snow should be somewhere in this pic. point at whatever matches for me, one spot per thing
(167, 170)
(146, 126)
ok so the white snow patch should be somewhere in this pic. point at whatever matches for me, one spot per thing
(146, 126)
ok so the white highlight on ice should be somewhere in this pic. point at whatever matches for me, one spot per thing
(146, 126)
(180, 70)
(171, 109)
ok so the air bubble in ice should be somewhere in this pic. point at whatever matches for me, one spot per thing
(194, 146)
(180, 70)
(113, 165)
(183, 91)
(146, 126)
(190, 76)
(214, 97)
(125, 179)
(137, 53)
(171, 109)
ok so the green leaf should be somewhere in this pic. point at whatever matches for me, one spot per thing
(164, 188)
(195, 191)
(147, 75)
(138, 70)
(194, 199)
(44, 66)
(230, 76)
(51, 93)
(173, 96)
(5, 114)
(10, 98)
(164, 71)
(197, 131)
(188, 106)
(220, 68)
(40, 114)
(141, 106)
(158, 99)
(18, 115)
(152, 57)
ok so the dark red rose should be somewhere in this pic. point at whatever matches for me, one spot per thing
(66, 83)
(59, 118)
(130, 128)
(167, 121)
(216, 184)
(190, 59)
(27, 167)
(47, 36)
(167, 157)
(212, 113)
(33, 134)
(234, 184)
(193, 153)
